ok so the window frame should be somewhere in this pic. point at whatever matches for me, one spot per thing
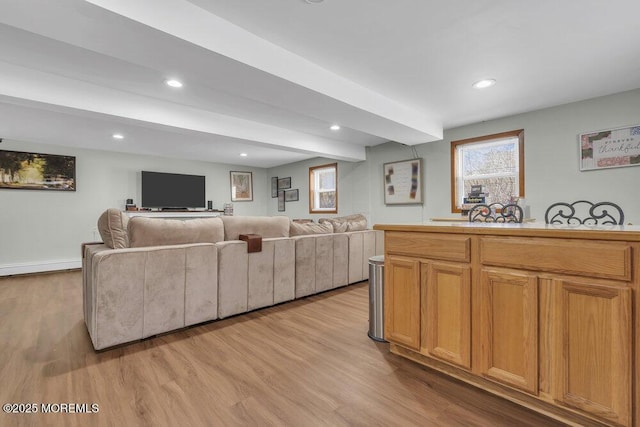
(486, 138)
(312, 208)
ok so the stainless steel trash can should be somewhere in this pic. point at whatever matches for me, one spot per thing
(376, 298)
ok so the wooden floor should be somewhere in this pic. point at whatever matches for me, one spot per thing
(302, 363)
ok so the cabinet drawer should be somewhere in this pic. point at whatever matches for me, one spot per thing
(434, 246)
(610, 260)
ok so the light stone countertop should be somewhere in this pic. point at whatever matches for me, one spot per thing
(533, 229)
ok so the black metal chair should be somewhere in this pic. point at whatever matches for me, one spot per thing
(496, 212)
(583, 212)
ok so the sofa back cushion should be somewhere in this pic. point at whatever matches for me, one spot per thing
(160, 231)
(356, 222)
(339, 224)
(302, 229)
(112, 226)
(265, 226)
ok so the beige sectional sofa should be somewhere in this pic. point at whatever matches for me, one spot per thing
(153, 275)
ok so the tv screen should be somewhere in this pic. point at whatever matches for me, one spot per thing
(172, 190)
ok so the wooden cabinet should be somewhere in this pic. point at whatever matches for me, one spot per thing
(428, 295)
(402, 301)
(547, 317)
(446, 312)
(509, 328)
(593, 348)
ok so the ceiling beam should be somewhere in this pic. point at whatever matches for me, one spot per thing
(45, 88)
(195, 25)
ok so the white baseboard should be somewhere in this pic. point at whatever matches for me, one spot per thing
(26, 268)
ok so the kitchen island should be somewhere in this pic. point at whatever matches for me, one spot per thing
(545, 316)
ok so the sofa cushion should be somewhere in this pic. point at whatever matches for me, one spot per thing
(159, 231)
(302, 229)
(112, 226)
(339, 224)
(357, 222)
(265, 226)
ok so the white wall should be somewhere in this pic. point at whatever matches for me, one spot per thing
(551, 161)
(42, 230)
(353, 188)
(551, 166)
(41, 227)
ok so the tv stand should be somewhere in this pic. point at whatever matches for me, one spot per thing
(173, 214)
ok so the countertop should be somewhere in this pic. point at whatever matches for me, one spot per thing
(533, 229)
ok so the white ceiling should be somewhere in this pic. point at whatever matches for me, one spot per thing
(268, 77)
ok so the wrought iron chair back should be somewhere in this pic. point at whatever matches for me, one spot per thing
(584, 212)
(496, 212)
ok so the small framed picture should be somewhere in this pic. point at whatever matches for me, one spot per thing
(284, 183)
(241, 186)
(281, 201)
(291, 195)
(274, 186)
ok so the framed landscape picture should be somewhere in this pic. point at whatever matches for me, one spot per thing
(241, 186)
(36, 171)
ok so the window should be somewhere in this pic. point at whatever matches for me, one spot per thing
(494, 161)
(323, 189)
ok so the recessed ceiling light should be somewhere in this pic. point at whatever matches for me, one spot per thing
(314, 1)
(335, 127)
(117, 136)
(483, 84)
(174, 83)
(243, 154)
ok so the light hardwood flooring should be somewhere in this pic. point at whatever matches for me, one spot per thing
(304, 363)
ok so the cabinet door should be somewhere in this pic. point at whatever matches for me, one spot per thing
(593, 346)
(446, 312)
(402, 301)
(509, 328)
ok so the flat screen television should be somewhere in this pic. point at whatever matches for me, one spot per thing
(172, 190)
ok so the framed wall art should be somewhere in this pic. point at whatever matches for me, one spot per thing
(36, 171)
(281, 201)
(241, 186)
(284, 183)
(403, 182)
(610, 148)
(274, 186)
(291, 195)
